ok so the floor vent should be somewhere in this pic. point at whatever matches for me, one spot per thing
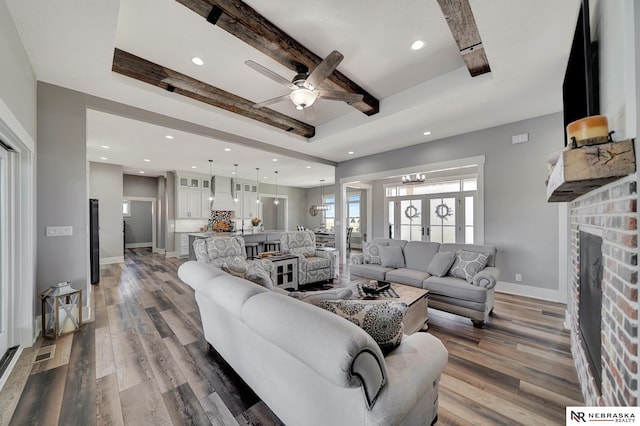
(6, 359)
(45, 353)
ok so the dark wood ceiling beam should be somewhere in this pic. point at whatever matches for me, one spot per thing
(465, 32)
(245, 23)
(140, 69)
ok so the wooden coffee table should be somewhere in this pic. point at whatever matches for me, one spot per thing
(416, 299)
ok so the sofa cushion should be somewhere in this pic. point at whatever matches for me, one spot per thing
(407, 276)
(455, 288)
(371, 252)
(219, 246)
(418, 254)
(314, 263)
(381, 320)
(374, 272)
(467, 264)
(391, 257)
(441, 263)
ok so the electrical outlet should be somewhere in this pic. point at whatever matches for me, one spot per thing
(518, 277)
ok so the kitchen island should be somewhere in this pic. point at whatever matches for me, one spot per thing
(259, 237)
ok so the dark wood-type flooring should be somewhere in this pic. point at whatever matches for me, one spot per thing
(143, 361)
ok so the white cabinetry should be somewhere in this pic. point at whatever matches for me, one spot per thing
(182, 244)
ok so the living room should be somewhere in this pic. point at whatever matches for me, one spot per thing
(44, 123)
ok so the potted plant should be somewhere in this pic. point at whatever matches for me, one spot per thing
(256, 221)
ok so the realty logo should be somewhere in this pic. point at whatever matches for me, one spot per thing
(577, 416)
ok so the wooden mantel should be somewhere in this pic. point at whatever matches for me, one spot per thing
(581, 170)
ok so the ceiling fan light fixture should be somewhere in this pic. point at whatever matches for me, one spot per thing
(302, 98)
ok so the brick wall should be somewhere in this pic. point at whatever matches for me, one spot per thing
(611, 209)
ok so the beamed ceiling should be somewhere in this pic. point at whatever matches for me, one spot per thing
(484, 63)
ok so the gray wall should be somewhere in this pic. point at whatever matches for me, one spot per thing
(140, 186)
(62, 187)
(18, 83)
(518, 220)
(105, 184)
(138, 226)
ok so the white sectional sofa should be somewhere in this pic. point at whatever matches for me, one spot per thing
(471, 297)
(310, 366)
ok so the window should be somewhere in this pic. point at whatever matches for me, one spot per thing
(353, 212)
(126, 208)
(330, 213)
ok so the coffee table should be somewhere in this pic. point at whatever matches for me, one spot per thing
(416, 299)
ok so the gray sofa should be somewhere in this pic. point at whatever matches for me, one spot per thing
(310, 366)
(472, 298)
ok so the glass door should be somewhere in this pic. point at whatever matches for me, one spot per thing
(406, 221)
(442, 219)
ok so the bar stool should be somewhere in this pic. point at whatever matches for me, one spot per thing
(272, 246)
(252, 250)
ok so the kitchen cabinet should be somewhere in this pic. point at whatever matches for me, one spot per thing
(189, 204)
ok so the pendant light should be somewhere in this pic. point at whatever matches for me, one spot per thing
(276, 201)
(235, 184)
(211, 181)
(322, 206)
(257, 185)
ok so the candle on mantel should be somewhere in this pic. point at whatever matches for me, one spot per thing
(595, 126)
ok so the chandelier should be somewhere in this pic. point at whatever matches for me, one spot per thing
(408, 180)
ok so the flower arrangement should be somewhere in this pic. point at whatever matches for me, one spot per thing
(256, 221)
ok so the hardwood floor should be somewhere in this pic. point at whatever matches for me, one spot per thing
(143, 361)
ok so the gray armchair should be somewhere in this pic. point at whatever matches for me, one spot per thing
(229, 254)
(313, 265)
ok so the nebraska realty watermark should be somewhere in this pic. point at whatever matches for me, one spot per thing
(580, 415)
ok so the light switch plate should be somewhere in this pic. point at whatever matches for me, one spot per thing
(59, 231)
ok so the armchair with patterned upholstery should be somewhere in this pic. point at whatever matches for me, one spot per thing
(229, 254)
(313, 265)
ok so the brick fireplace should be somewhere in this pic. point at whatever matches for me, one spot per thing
(609, 211)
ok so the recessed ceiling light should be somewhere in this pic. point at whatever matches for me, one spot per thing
(103, 158)
(227, 149)
(141, 172)
(350, 152)
(146, 160)
(169, 137)
(197, 61)
(233, 173)
(427, 133)
(417, 45)
(308, 167)
(194, 167)
(275, 159)
(105, 147)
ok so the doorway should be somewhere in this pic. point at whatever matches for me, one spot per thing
(139, 222)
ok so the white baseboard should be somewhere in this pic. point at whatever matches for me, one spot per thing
(528, 291)
(171, 254)
(159, 250)
(139, 245)
(110, 260)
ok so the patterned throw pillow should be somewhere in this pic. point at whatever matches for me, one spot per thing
(371, 252)
(258, 274)
(381, 320)
(468, 264)
(234, 265)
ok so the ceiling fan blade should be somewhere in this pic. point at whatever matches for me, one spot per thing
(310, 113)
(337, 95)
(271, 101)
(270, 74)
(323, 70)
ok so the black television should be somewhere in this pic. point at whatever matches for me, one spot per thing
(580, 89)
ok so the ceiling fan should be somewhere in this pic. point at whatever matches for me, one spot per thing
(305, 87)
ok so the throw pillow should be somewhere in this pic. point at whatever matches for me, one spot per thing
(371, 253)
(441, 263)
(234, 265)
(381, 320)
(315, 297)
(391, 257)
(467, 264)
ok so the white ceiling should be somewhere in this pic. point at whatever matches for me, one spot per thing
(70, 43)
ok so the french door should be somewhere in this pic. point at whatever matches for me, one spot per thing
(443, 218)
